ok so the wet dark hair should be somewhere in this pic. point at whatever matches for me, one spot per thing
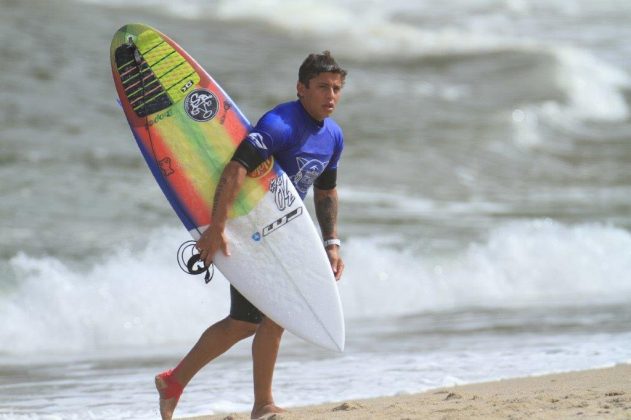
(315, 64)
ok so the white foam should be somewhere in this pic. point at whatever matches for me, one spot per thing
(126, 300)
(593, 89)
(521, 264)
(592, 86)
(144, 299)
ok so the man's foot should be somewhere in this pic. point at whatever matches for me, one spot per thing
(170, 390)
(266, 411)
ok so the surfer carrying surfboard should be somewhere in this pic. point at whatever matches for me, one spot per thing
(307, 144)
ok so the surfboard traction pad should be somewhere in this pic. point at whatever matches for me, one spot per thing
(151, 72)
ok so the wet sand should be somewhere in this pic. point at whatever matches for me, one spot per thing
(593, 394)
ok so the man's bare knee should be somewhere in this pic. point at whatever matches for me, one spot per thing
(270, 327)
(241, 329)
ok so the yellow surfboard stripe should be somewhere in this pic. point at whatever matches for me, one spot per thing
(200, 150)
(173, 71)
(203, 158)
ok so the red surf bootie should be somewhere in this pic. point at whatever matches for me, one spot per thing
(168, 386)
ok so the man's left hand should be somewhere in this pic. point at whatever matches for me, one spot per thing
(333, 252)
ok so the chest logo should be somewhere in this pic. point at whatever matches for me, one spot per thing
(308, 171)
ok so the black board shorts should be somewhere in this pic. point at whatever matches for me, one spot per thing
(241, 309)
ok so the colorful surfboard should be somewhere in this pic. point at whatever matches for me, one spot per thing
(187, 129)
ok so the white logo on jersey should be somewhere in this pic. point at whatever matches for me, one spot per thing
(257, 139)
(308, 171)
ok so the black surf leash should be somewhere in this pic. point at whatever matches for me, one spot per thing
(190, 261)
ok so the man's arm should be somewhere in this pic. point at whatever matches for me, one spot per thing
(213, 238)
(326, 211)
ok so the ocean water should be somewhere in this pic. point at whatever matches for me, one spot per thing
(485, 199)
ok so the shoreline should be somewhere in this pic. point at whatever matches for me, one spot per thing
(596, 393)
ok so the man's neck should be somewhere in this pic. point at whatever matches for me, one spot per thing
(319, 123)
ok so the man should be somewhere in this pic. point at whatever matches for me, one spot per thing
(307, 144)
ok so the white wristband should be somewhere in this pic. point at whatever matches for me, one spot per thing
(332, 242)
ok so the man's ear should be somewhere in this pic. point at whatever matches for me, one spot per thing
(300, 89)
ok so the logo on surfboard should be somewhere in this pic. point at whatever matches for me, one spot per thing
(282, 221)
(283, 196)
(201, 105)
(277, 224)
(165, 166)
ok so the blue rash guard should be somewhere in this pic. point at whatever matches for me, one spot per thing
(302, 146)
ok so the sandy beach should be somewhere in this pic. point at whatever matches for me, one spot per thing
(591, 394)
(484, 196)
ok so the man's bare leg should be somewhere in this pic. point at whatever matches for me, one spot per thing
(213, 342)
(264, 352)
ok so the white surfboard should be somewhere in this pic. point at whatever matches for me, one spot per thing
(187, 129)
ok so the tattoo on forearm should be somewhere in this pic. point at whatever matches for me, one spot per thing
(326, 212)
(218, 191)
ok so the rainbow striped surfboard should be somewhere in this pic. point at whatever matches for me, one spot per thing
(187, 129)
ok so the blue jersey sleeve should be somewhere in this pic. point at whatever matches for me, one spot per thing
(269, 135)
(337, 151)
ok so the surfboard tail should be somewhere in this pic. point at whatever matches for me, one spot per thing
(332, 338)
(290, 280)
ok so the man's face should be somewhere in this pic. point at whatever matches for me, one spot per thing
(322, 94)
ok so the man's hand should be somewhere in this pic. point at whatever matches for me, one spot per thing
(333, 252)
(326, 211)
(211, 241)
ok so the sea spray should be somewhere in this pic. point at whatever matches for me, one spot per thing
(143, 299)
(538, 263)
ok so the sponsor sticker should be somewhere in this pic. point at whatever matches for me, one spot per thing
(263, 169)
(201, 105)
(165, 166)
(282, 221)
(283, 197)
(226, 108)
(187, 86)
(160, 117)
